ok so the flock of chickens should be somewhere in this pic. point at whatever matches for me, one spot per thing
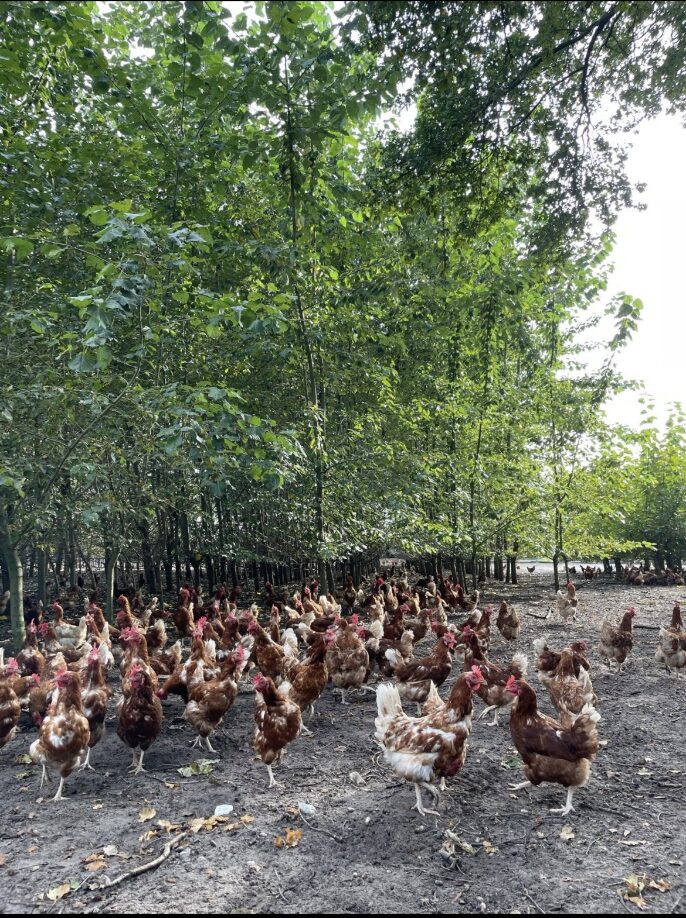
(61, 676)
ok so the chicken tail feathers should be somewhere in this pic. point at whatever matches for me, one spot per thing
(519, 666)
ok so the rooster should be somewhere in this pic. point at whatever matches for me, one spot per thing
(64, 733)
(616, 643)
(278, 722)
(551, 752)
(433, 746)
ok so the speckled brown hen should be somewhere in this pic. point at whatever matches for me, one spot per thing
(62, 743)
(420, 749)
(278, 722)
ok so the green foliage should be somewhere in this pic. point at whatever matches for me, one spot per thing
(235, 307)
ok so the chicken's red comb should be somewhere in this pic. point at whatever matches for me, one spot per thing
(354, 619)
(477, 671)
(129, 634)
(95, 653)
(12, 664)
(511, 682)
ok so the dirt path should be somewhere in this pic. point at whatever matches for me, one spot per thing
(363, 849)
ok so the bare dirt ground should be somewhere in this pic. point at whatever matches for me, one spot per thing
(363, 850)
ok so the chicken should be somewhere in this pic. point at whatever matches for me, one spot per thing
(10, 707)
(62, 743)
(95, 695)
(208, 701)
(616, 643)
(508, 622)
(531, 568)
(548, 660)
(164, 662)
(483, 629)
(346, 658)
(377, 651)
(569, 692)
(565, 606)
(349, 593)
(414, 679)
(29, 658)
(135, 651)
(268, 655)
(551, 752)
(184, 619)
(70, 636)
(307, 678)
(433, 746)
(493, 691)
(671, 649)
(140, 716)
(278, 721)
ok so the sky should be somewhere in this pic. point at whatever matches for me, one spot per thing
(650, 263)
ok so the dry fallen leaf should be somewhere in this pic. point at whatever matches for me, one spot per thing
(146, 836)
(147, 814)
(292, 839)
(247, 820)
(660, 885)
(110, 851)
(94, 866)
(168, 826)
(567, 833)
(3, 860)
(24, 760)
(97, 806)
(58, 892)
(489, 848)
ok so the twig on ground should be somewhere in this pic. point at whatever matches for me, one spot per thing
(151, 865)
(323, 831)
(533, 902)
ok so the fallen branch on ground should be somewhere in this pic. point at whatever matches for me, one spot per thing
(144, 868)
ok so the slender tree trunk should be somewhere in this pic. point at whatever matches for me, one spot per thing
(42, 566)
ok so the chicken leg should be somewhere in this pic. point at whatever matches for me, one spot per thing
(272, 780)
(568, 807)
(419, 805)
(209, 746)
(58, 795)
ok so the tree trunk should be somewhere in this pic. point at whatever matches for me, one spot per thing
(42, 571)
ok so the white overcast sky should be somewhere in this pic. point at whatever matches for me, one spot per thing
(650, 263)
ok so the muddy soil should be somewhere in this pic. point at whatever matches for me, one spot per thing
(363, 849)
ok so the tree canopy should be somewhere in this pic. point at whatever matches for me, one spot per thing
(247, 319)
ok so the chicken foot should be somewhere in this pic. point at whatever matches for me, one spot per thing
(419, 806)
(58, 795)
(568, 807)
(518, 787)
(137, 766)
(492, 707)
